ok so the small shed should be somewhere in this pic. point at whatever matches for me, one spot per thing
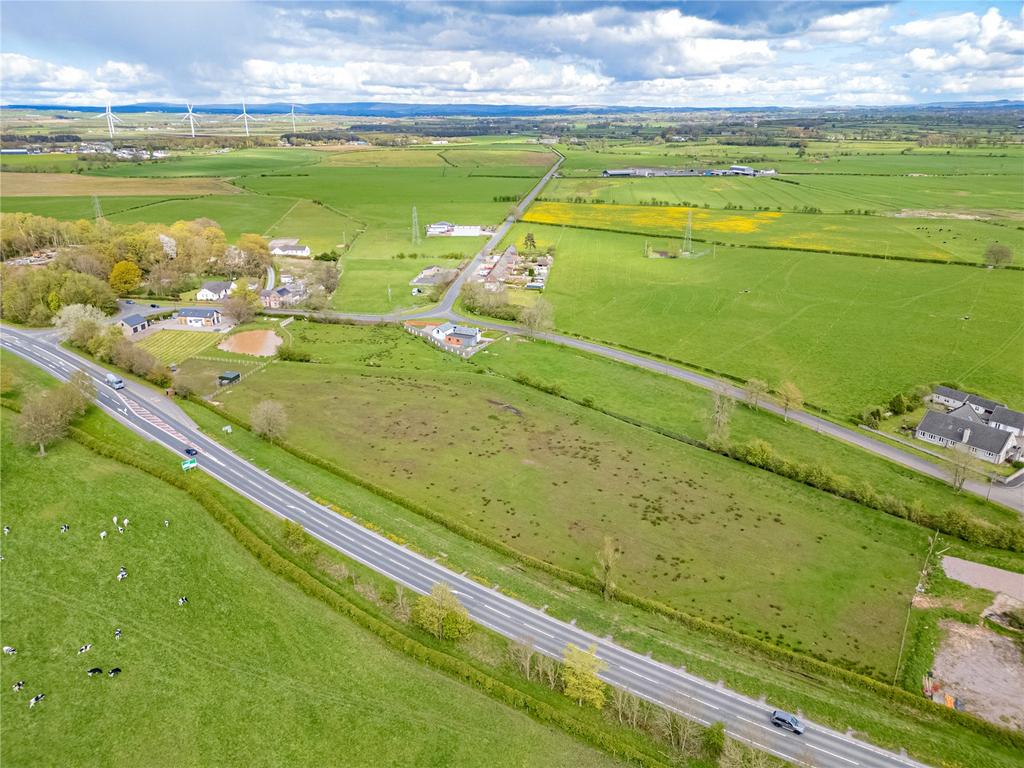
(228, 377)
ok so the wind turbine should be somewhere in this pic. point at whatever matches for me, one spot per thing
(111, 119)
(293, 118)
(245, 118)
(192, 120)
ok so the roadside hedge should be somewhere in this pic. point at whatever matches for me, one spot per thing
(794, 660)
(444, 662)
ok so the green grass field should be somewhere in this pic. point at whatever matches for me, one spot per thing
(850, 332)
(251, 672)
(229, 164)
(700, 532)
(177, 346)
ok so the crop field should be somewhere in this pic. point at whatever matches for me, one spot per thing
(54, 184)
(236, 214)
(316, 686)
(229, 164)
(177, 346)
(848, 331)
(74, 207)
(835, 193)
(874, 157)
(699, 531)
(920, 238)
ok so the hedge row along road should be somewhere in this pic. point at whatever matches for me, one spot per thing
(157, 419)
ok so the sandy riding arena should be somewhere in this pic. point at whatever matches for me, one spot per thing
(259, 343)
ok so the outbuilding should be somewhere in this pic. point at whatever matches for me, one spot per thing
(228, 377)
(133, 324)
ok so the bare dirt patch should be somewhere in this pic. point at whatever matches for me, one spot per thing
(259, 343)
(984, 670)
(60, 184)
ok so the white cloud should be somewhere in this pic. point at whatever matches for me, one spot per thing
(941, 29)
(852, 27)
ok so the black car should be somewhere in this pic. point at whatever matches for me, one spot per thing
(191, 452)
(154, 306)
(785, 720)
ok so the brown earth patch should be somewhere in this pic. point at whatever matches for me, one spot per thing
(259, 343)
(984, 670)
(68, 184)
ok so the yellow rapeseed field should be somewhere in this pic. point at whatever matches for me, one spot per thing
(645, 217)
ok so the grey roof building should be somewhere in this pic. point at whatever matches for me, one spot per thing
(983, 403)
(1005, 419)
(987, 442)
(951, 394)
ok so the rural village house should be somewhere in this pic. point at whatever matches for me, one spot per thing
(215, 290)
(989, 430)
(288, 246)
(457, 335)
(199, 317)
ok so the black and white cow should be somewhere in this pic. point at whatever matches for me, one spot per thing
(36, 699)
(114, 672)
(18, 685)
(94, 671)
(85, 648)
(10, 650)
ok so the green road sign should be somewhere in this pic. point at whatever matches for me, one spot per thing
(188, 464)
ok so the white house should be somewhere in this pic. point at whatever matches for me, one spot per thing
(983, 441)
(199, 317)
(1008, 421)
(951, 398)
(288, 246)
(215, 290)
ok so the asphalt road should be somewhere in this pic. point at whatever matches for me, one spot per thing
(157, 419)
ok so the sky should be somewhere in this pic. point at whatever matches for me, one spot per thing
(699, 54)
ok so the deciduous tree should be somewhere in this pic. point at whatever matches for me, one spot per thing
(607, 559)
(42, 421)
(790, 397)
(125, 277)
(998, 254)
(269, 420)
(580, 680)
(441, 614)
(755, 390)
(718, 420)
(69, 317)
(538, 316)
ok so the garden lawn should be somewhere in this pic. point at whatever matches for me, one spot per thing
(700, 532)
(251, 672)
(177, 346)
(850, 332)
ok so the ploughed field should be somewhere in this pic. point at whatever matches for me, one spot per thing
(699, 532)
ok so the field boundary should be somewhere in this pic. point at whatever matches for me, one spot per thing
(797, 661)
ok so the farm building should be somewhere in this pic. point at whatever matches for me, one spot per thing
(199, 317)
(457, 335)
(228, 377)
(1008, 421)
(288, 246)
(447, 229)
(133, 324)
(433, 275)
(215, 290)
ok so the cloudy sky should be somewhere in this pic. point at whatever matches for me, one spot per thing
(626, 53)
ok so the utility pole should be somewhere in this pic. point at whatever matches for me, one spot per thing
(415, 227)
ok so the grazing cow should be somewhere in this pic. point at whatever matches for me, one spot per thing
(182, 600)
(166, 523)
(122, 574)
(85, 648)
(120, 529)
(114, 672)
(18, 685)
(94, 671)
(9, 650)
(117, 633)
(36, 699)
(125, 522)
(103, 534)
(7, 529)
(115, 519)
(65, 528)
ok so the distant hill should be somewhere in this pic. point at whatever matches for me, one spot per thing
(387, 109)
